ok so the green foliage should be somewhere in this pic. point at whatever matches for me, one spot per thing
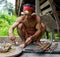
(5, 23)
(56, 36)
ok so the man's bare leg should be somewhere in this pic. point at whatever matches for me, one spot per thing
(42, 32)
(21, 33)
(39, 37)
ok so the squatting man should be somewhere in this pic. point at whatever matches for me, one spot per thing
(29, 27)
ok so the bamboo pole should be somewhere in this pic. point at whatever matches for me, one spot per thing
(37, 9)
(20, 4)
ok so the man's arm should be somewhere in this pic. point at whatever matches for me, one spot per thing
(11, 30)
(38, 28)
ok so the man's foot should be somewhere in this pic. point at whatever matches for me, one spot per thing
(38, 43)
(22, 45)
(43, 46)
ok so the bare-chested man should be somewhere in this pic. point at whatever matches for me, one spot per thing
(29, 27)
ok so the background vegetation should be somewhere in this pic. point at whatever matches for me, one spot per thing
(7, 17)
(5, 22)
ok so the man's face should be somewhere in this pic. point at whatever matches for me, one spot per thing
(27, 14)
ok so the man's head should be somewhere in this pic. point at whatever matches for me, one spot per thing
(28, 9)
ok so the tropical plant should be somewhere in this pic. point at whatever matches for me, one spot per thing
(5, 22)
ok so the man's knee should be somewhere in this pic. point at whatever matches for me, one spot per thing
(20, 26)
(43, 26)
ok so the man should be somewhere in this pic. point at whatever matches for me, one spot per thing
(29, 26)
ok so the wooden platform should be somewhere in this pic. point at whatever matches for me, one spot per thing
(30, 53)
(55, 53)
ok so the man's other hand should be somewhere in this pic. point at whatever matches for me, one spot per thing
(29, 40)
(22, 45)
(12, 37)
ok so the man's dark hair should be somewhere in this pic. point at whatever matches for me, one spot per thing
(31, 5)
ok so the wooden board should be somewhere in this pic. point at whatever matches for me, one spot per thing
(29, 49)
(42, 55)
(14, 51)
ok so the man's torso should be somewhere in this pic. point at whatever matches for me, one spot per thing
(30, 26)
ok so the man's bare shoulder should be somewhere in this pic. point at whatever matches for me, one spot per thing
(20, 19)
(38, 19)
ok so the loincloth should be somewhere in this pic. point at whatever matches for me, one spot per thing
(29, 33)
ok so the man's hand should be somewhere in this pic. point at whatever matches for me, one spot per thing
(12, 37)
(22, 45)
(28, 40)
